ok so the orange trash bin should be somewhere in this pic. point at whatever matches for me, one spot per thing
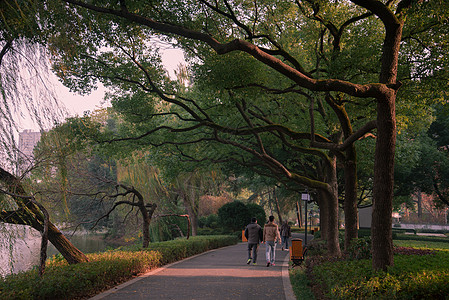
(296, 252)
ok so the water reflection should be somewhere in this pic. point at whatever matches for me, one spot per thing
(20, 247)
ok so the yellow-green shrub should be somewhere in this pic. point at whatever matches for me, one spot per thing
(104, 270)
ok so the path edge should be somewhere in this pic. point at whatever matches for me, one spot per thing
(148, 274)
(288, 290)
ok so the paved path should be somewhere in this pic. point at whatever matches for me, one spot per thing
(217, 274)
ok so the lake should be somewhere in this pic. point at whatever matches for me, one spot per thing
(20, 247)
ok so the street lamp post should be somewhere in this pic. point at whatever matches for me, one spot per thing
(305, 197)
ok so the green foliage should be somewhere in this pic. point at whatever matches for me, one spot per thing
(258, 212)
(360, 248)
(210, 221)
(236, 215)
(412, 277)
(418, 273)
(62, 281)
(301, 284)
(104, 270)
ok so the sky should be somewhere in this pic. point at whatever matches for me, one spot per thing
(76, 104)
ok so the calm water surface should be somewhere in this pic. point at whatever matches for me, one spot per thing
(20, 246)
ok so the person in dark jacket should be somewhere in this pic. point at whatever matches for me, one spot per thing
(286, 234)
(254, 235)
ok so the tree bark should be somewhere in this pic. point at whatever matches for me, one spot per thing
(147, 212)
(419, 201)
(29, 214)
(350, 204)
(381, 224)
(278, 209)
(193, 216)
(64, 246)
(333, 242)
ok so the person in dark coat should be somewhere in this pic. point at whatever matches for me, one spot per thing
(286, 234)
(254, 235)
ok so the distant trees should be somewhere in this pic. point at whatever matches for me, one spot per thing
(424, 162)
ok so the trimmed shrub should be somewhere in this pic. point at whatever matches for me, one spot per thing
(63, 281)
(104, 270)
(234, 215)
(255, 210)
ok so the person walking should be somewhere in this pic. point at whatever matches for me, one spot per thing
(286, 234)
(270, 237)
(254, 235)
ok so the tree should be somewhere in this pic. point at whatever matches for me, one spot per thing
(20, 47)
(260, 36)
(257, 211)
(234, 215)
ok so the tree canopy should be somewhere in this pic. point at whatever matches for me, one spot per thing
(283, 88)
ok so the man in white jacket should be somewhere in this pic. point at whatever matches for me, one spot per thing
(270, 237)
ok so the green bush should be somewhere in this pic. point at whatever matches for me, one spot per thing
(411, 277)
(104, 270)
(257, 211)
(360, 248)
(234, 215)
(63, 281)
(364, 232)
(422, 238)
(181, 248)
(210, 221)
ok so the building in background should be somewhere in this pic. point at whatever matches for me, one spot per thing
(27, 141)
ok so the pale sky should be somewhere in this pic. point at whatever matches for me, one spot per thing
(77, 104)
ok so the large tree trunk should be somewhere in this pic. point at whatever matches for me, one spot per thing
(381, 224)
(333, 243)
(194, 223)
(64, 246)
(419, 201)
(191, 212)
(29, 214)
(350, 204)
(147, 212)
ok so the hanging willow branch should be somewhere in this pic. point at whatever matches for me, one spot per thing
(177, 215)
(44, 232)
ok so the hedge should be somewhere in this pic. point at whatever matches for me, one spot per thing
(104, 270)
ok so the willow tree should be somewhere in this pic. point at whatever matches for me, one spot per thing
(24, 93)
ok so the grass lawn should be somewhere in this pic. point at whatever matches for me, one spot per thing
(420, 271)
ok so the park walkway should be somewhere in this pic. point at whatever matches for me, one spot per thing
(217, 274)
